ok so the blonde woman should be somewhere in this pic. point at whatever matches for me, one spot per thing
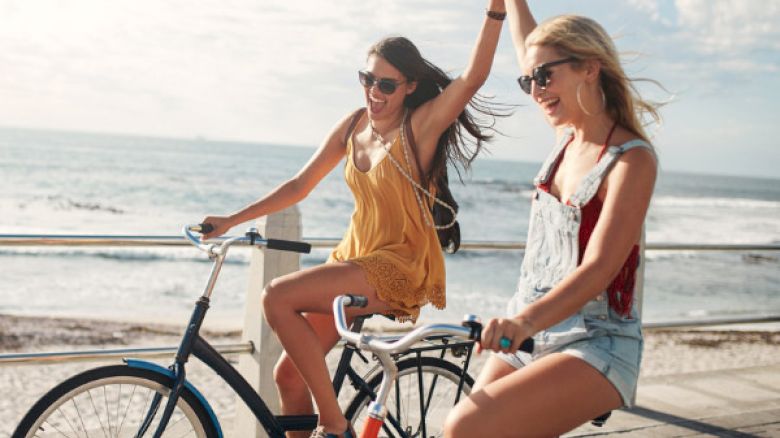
(575, 291)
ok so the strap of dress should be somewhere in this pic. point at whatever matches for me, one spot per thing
(352, 123)
(589, 186)
(549, 164)
(407, 126)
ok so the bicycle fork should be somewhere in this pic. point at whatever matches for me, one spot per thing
(179, 372)
(173, 398)
(376, 409)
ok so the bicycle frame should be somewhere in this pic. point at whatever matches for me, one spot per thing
(276, 425)
(193, 344)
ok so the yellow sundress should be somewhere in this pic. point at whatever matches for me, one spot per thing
(388, 237)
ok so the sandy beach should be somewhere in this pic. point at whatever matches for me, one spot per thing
(667, 351)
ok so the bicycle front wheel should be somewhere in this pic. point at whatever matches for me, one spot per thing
(419, 401)
(114, 401)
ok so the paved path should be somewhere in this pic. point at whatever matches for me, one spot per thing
(730, 403)
(740, 403)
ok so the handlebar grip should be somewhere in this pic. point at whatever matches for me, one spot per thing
(476, 334)
(288, 245)
(205, 228)
(527, 345)
(357, 301)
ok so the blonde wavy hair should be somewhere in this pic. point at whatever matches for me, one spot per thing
(584, 39)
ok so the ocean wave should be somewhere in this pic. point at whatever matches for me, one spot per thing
(677, 201)
(501, 184)
(660, 255)
(64, 203)
(126, 255)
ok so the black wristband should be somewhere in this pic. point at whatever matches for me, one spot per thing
(496, 15)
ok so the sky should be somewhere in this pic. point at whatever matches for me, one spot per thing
(285, 72)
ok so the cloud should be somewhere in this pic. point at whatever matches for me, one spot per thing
(649, 7)
(284, 72)
(733, 27)
(235, 69)
(730, 36)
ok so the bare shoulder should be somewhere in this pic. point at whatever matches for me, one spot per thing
(634, 173)
(636, 166)
(347, 122)
(643, 156)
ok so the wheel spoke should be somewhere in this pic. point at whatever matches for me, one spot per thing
(127, 408)
(59, 411)
(108, 412)
(58, 430)
(118, 403)
(97, 415)
(81, 419)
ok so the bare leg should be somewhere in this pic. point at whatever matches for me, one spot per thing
(546, 398)
(493, 370)
(285, 300)
(293, 393)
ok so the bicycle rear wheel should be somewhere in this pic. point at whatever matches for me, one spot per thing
(415, 408)
(113, 401)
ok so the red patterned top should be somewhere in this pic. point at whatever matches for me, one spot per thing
(621, 288)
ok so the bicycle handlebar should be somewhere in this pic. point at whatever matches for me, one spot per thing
(470, 329)
(252, 237)
(288, 245)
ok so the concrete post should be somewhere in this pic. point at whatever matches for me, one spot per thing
(257, 368)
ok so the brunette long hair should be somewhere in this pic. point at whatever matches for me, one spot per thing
(454, 145)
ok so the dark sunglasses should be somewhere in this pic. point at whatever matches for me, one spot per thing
(385, 85)
(541, 74)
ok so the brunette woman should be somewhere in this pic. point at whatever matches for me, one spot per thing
(390, 252)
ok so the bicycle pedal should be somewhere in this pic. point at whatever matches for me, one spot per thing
(600, 420)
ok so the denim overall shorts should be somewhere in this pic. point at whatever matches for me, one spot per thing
(609, 342)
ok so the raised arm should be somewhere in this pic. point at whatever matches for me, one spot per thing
(433, 117)
(521, 23)
(330, 152)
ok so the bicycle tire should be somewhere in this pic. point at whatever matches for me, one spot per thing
(111, 401)
(406, 409)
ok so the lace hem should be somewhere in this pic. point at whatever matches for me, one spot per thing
(393, 288)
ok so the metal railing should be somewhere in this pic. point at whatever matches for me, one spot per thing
(248, 347)
(322, 242)
(106, 354)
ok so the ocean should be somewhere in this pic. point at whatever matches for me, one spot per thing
(74, 183)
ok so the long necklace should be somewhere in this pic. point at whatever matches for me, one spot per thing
(376, 133)
(407, 174)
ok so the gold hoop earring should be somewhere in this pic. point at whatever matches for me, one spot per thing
(579, 101)
(603, 99)
(582, 107)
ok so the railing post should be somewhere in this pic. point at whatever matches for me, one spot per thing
(257, 368)
(639, 285)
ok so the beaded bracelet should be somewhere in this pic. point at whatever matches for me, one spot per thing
(496, 15)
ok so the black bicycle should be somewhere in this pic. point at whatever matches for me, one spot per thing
(141, 398)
